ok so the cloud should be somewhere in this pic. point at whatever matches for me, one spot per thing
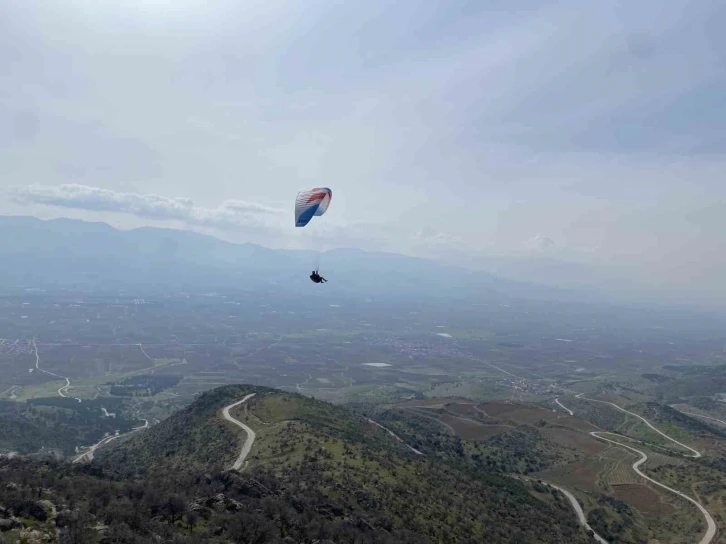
(428, 235)
(599, 127)
(230, 215)
(431, 242)
(541, 243)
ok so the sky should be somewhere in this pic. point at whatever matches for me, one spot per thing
(587, 133)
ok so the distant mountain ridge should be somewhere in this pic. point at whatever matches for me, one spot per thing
(74, 254)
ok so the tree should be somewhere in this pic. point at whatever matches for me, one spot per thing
(175, 506)
(191, 520)
(77, 530)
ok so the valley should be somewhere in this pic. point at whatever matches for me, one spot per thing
(618, 419)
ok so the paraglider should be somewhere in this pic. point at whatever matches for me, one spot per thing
(309, 204)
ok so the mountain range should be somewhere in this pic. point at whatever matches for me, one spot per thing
(77, 255)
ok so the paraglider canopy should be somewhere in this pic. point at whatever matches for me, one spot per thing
(311, 203)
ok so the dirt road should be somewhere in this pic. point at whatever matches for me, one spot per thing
(711, 524)
(564, 407)
(578, 510)
(696, 454)
(394, 435)
(247, 446)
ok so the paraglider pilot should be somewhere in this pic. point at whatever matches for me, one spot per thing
(317, 278)
(309, 204)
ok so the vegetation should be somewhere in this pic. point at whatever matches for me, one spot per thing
(58, 424)
(656, 378)
(693, 381)
(86, 505)
(704, 403)
(616, 521)
(320, 471)
(498, 448)
(146, 385)
(602, 415)
(193, 437)
(666, 415)
(698, 370)
(691, 386)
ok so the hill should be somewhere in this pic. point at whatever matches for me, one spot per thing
(329, 468)
(57, 425)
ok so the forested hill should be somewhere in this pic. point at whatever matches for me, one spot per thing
(318, 471)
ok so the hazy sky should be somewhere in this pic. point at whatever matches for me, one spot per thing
(591, 130)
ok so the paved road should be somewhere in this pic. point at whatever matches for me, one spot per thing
(247, 446)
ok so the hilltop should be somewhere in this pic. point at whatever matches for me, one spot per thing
(328, 467)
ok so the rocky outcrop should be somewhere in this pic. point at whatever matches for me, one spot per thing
(32, 536)
(48, 507)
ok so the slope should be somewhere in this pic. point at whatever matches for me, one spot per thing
(311, 455)
(57, 425)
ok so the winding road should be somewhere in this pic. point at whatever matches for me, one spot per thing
(710, 523)
(9, 390)
(564, 408)
(578, 510)
(695, 455)
(68, 382)
(247, 446)
(88, 455)
(710, 531)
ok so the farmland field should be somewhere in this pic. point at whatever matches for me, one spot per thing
(576, 439)
(621, 473)
(579, 476)
(614, 453)
(658, 459)
(472, 430)
(644, 498)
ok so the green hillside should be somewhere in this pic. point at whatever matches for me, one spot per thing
(316, 465)
(58, 424)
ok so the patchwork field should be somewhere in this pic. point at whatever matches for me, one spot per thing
(580, 476)
(471, 429)
(644, 498)
(575, 438)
